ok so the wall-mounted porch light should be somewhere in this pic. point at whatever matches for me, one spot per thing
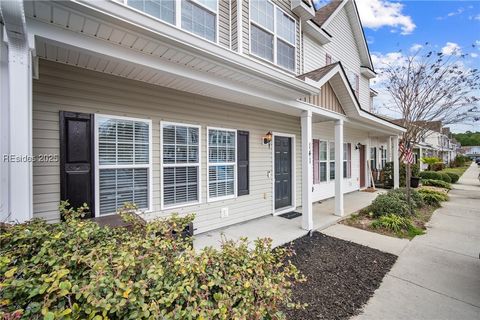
(357, 146)
(267, 139)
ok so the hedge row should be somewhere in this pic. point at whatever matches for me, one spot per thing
(78, 270)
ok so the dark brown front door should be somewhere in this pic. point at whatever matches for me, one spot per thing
(76, 159)
(283, 171)
(362, 166)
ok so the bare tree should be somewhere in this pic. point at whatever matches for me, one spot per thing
(429, 86)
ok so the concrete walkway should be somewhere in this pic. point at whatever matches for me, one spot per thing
(282, 230)
(437, 276)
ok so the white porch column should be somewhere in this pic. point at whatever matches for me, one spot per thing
(18, 154)
(339, 168)
(389, 149)
(307, 171)
(396, 163)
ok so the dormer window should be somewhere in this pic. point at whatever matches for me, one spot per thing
(272, 34)
(196, 16)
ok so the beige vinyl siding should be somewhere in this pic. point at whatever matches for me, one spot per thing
(285, 6)
(364, 96)
(234, 30)
(62, 87)
(224, 35)
(343, 47)
(326, 99)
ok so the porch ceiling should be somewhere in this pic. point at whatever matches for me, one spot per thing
(71, 36)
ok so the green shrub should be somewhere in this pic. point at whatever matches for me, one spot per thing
(445, 177)
(386, 204)
(453, 176)
(436, 183)
(439, 166)
(403, 172)
(392, 222)
(78, 270)
(430, 175)
(432, 197)
(401, 193)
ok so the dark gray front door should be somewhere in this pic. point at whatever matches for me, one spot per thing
(283, 172)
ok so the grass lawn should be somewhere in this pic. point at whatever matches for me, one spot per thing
(459, 170)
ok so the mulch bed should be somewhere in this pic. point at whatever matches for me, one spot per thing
(341, 276)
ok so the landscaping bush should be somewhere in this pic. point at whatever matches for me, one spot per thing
(401, 193)
(439, 166)
(432, 197)
(430, 175)
(386, 204)
(453, 177)
(460, 161)
(445, 177)
(403, 171)
(79, 270)
(432, 162)
(436, 183)
(392, 222)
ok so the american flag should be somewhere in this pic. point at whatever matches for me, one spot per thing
(406, 150)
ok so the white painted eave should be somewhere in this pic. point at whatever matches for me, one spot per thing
(118, 13)
(316, 32)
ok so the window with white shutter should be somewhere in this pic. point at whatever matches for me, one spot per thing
(222, 163)
(180, 164)
(123, 167)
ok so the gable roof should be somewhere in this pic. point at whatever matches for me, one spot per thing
(325, 15)
(335, 74)
(319, 73)
(322, 15)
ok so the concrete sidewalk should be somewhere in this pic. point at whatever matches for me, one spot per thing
(437, 276)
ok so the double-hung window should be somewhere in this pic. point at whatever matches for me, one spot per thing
(196, 16)
(373, 158)
(200, 17)
(383, 160)
(347, 160)
(272, 34)
(323, 159)
(124, 165)
(331, 157)
(180, 164)
(222, 163)
(161, 9)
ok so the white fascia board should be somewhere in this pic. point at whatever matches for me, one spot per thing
(115, 12)
(367, 72)
(315, 31)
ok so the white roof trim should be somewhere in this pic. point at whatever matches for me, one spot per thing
(358, 35)
(359, 113)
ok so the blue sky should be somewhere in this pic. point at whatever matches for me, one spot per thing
(393, 25)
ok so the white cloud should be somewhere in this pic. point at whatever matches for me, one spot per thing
(474, 55)
(451, 48)
(376, 14)
(416, 47)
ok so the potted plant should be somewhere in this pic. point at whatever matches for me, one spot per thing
(415, 179)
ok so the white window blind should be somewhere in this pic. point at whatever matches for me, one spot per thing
(221, 163)
(124, 166)
(181, 164)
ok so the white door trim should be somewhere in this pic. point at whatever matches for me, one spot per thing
(293, 154)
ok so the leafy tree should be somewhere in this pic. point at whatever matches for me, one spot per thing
(468, 138)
